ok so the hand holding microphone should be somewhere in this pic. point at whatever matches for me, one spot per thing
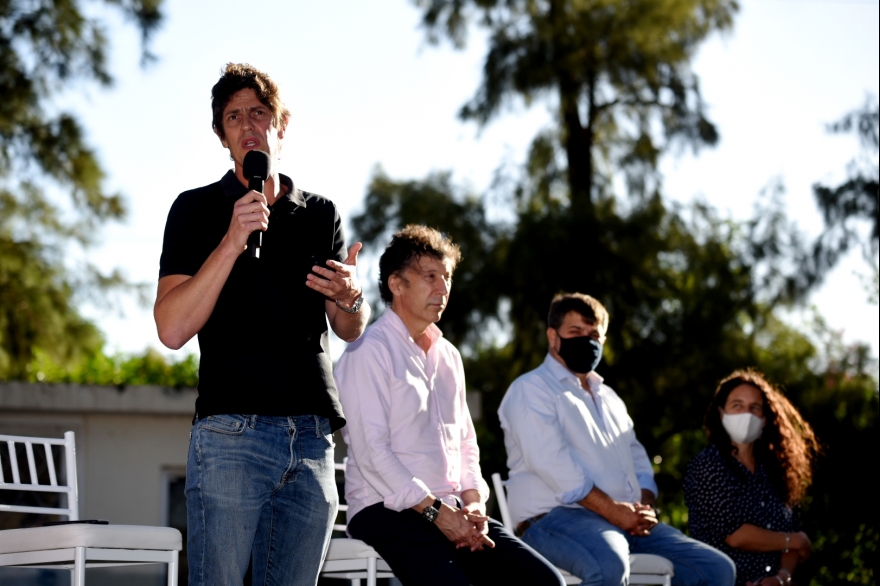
(256, 170)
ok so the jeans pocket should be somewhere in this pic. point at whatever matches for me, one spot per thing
(226, 424)
(326, 431)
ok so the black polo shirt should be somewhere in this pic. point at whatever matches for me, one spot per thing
(264, 350)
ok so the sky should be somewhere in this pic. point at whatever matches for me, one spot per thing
(365, 89)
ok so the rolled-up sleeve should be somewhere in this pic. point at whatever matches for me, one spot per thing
(363, 379)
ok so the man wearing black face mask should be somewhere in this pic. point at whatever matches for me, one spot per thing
(581, 487)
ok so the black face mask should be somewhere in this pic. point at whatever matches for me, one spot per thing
(581, 354)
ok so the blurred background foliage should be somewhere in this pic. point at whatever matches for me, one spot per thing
(118, 370)
(692, 295)
(51, 193)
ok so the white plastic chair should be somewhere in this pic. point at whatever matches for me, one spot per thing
(75, 546)
(352, 559)
(644, 568)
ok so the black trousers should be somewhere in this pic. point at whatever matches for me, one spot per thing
(420, 555)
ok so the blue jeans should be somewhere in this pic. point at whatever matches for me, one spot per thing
(585, 544)
(261, 487)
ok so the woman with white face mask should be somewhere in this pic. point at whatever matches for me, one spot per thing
(744, 489)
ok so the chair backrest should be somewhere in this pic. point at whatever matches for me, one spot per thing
(501, 496)
(343, 508)
(60, 477)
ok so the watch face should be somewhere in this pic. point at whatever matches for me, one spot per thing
(430, 514)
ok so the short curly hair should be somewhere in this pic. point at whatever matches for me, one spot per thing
(241, 76)
(408, 245)
(588, 307)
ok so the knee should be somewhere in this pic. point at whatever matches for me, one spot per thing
(726, 570)
(544, 574)
(609, 571)
(615, 572)
(720, 569)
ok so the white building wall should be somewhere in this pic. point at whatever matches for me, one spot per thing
(126, 441)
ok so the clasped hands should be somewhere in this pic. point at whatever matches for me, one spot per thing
(637, 519)
(467, 527)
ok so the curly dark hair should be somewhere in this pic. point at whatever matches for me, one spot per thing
(407, 245)
(787, 446)
(241, 76)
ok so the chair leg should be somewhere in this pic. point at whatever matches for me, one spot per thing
(371, 572)
(172, 569)
(78, 574)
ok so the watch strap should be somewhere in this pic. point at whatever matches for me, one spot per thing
(355, 307)
(431, 512)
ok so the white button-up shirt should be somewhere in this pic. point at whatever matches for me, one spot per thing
(562, 441)
(409, 432)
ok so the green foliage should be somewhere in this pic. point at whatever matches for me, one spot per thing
(618, 72)
(392, 203)
(853, 202)
(691, 296)
(46, 47)
(118, 370)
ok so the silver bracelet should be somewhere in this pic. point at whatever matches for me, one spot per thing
(781, 581)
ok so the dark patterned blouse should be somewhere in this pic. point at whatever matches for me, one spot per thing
(721, 496)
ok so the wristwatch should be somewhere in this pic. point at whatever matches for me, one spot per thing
(355, 307)
(431, 511)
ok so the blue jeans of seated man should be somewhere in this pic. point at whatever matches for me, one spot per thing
(585, 544)
(261, 487)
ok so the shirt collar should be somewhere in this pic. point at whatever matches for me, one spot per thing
(233, 188)
(434, 333)
(561, 373)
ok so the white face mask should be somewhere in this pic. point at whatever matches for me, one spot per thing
(743, 428)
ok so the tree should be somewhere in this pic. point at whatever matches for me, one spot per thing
(51, 190)
(616, 71)
(691, 296)
(855, 200)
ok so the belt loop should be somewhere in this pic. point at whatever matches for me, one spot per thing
(318, 426)
(252, 421)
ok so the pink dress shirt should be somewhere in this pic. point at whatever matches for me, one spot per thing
(409, 432)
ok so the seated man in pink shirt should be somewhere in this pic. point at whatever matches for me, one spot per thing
(413, 482)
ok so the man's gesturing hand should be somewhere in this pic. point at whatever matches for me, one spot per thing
(339, 281)
(249, 214)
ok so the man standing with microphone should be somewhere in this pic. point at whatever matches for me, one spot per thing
(260, 479)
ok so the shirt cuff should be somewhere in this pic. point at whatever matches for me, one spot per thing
(573, 496)
(408, 497)
(646, 482)
(481, 486)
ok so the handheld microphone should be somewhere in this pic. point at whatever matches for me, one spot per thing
(256, 171)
